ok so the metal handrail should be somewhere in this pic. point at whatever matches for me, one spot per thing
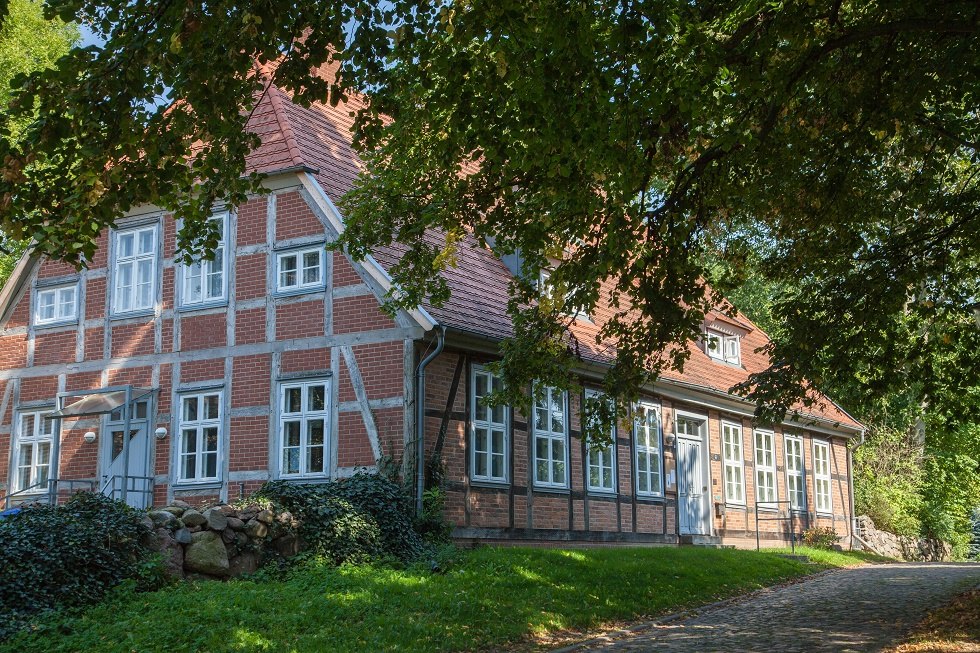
(129, 485)
(791, 518)
(51, 488)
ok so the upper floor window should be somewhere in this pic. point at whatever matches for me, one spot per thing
(33, 439)
(723, 347)
(601, 459)
(205, 279)
(731, 435)
(56, 304)
(765, 467)
(821, 477)
(550, 450)
(135, 269)
(304, 410)
(547, 290)
(200, 435)
(489, 429)
(300, 269)
(646, 433)
(795, 478)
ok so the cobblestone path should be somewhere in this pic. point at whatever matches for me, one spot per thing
(861, 609)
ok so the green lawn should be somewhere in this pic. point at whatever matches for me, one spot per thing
(488, 599)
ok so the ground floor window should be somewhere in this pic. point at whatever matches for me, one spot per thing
(646, 437)
(734, 465)
(489, 429)
(795, 478)
(200, 436)
(303, 428)
(601, 459)
(765, 466)
(821, 477)
(34, 437)
(550, 439)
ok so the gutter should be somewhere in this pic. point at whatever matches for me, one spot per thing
(420, 417)
(850, 493)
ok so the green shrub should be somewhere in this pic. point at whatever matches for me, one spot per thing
(820, 537)
(431, 524)
(364, 517)
(69, 555)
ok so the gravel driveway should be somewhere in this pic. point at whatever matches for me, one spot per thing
(860, 609)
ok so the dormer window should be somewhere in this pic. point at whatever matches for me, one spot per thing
(723, 347)
(547, 290)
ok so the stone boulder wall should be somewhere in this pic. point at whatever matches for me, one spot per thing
(220, 541)
(901, 546)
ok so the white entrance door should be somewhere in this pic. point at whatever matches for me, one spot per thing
(692, 490)
(136, 479)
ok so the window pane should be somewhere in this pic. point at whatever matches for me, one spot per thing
(211, 439)
(497, 468)
(480, 444)
(311, 267)
(146, 241)
(190, 409)
(211, 406)
(317, 397)
(290, 460)
(47, 425)
(291, 434)
(287, 270)
(211, 465)
(315, 432)
(27, 425)
(498, 442)
(142, 409)
(293, 401)
(314, 463)
(188, 468)
(189, 441)
(480, 464)
(125, 245)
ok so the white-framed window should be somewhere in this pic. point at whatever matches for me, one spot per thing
(723, 347)
(56, 304)
(646, 440)
(601, 460)
(765, 466)
(488, 458)
(199, 443)
(304, 422)
(135, 273)
(204, 281)
(299, 269)
(795, 476)
(547, 290)
(731, 436)
(550, 439)
(33, 447)
(821, 477)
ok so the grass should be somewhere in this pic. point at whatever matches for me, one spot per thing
(829, 558)
(953, 628)
(488, 599)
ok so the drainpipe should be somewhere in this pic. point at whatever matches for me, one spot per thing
(420, 417)
(850, 490)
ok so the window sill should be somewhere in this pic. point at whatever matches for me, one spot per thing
(305, 480)
(298, 291)
(197, 485)
(548, 489)
(651, 498)
(145, 312)
(489, 483)
(55, 325)
(203, 306)
(605, 494)
(824, 515)
(735, 506)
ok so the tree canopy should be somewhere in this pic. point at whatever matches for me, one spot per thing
(634, 143)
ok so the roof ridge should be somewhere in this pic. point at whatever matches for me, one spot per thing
(284, 126)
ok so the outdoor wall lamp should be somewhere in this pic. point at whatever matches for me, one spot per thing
(160, 433)
(669, 439)
(89, 436)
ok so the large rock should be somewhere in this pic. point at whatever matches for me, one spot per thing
(227, 510)
(265, 517)
(244, 563)
(176, 511)
(193, 518)
(181, 504)
(256, 529)
(235, 524)
(162, 518)
(183, 536)
(206, 554)
(217, 520)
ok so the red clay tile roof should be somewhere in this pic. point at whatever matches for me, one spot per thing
(319, 137)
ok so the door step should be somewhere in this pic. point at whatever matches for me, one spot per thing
(700, 540)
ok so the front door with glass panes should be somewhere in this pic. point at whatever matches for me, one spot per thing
(693, 497)
(137, 480)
